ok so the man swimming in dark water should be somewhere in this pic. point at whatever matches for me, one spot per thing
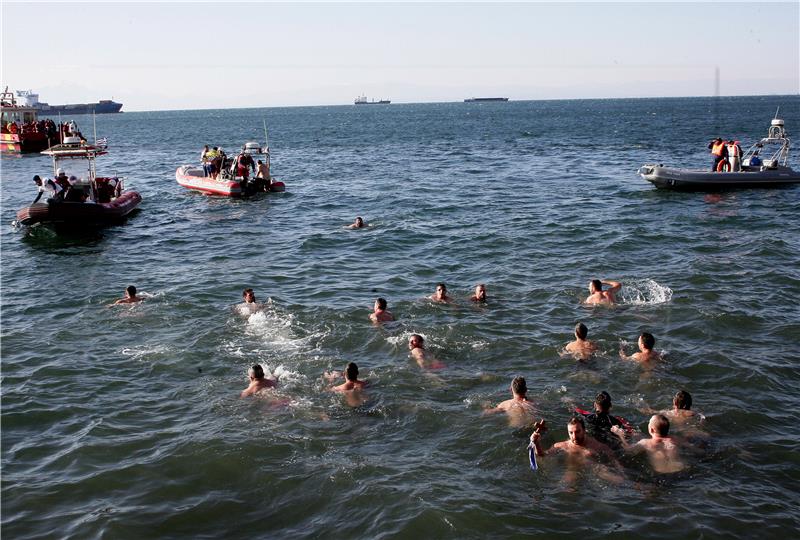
(480, 293)
(519, 408)
(352, 387)
(662, 450)
(425, 360)
(357, 224)
(604, 297)
(130, 296)
(581, 348)
(646, 353)
(258, 381)
(380, 313)
(600, 422)
(441, 294)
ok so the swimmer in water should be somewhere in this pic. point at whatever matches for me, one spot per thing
(646, 353)
(519, 408)
(130, 296)
(599, 296)
(480, 293)
(662, 450)
(352, 387)
(258, 381)
(416, 344)
(581, 348)
(250, 305)
(380, 313)
(441, 294)
(681, 411)
(357, 224)
(249, 296)
(580, 448)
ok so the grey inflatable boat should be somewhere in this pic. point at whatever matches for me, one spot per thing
(762, 166)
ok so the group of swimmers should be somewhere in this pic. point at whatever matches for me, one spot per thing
(596, 436)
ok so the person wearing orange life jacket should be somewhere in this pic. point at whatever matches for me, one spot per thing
(718, 150)
(734, 155)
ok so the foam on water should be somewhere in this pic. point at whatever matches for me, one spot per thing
(644, 292)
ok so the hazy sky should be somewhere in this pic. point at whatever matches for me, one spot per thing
(189, 55)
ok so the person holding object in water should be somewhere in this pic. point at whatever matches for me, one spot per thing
(519, 408)
(130, 296)
(581, 348)
(646, 353)
(258, 381)
(380, 313)
(357, 224)
(480, 293)
(416, 344)
(599, 296)
(580, 448)
(662, 450)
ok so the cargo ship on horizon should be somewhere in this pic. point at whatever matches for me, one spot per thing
(482, 99)
(362, 100)
(30, 99)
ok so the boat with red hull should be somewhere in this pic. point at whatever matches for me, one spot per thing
(90, 201)
(20, 129)
(228, 183)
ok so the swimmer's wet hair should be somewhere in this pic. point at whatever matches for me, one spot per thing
(381, 303)
(246, 292)
(661, 424)
(577, 420)
(442, 285)
(597, 284)
(648, 340)
(257, 371)
(519, 386)
(131, 290)
(603, 399)
(683, 400)
(351, 371)
(421, 339)
(581, 331)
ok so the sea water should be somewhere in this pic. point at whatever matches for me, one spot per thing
(126, 421)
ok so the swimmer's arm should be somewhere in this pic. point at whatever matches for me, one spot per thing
(614, 285)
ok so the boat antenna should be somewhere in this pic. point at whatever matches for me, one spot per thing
(60, 129)
(94, 123)
(266, 139)
(776, 112)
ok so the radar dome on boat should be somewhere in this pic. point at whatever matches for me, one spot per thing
(252, 148)
(776, 122)
(72, 140)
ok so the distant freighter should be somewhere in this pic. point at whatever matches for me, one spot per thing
(104, 106)
(477, 99)
(362, 100)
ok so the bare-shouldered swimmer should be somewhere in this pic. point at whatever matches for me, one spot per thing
(380, 312)
(581, 348)
(130, 296)
(599, 296)
(352, 387)
(580, 449)
(519, 408)
(646, 353)
(441, 294)
(258, 381)
(480, 294)
(425, 360)
(662, 450)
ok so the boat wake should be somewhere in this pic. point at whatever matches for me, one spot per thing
(644, 292)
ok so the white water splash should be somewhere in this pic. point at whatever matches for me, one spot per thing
(644, 292)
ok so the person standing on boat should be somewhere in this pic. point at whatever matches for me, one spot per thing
(734, 155)
(204, 160)
(718, 150)
(244, 162)
(262, 173)
(46, 185)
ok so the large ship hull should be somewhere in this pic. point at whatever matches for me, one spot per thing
(103, 107)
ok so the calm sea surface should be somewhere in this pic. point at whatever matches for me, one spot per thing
(126, 422)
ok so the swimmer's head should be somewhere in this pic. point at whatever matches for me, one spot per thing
(130, 290)
(518, 386)
(256, 372)
(602, 403)
(647, 341)
(351, 372)
(581, 331)
(415, 341)
(682, 400)
(249, 296)
(659, 425)
(595, 286)
(576, 430)
(380, 303)
(441, 288)
(359, 221)
(480, 291)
